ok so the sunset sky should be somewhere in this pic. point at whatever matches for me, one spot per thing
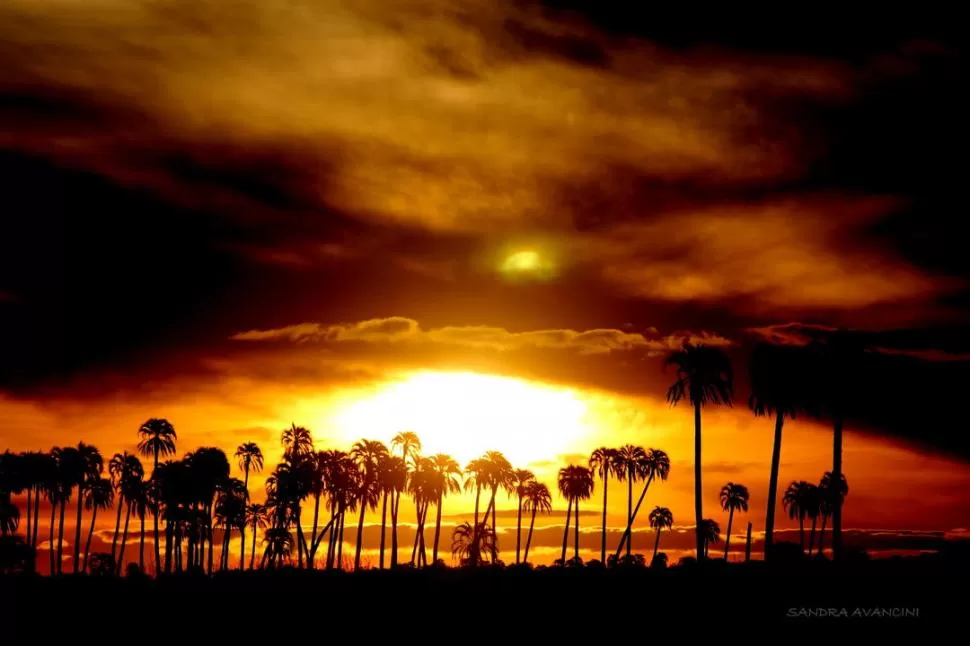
(488, 222)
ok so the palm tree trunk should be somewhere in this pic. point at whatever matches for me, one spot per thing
(821, 535)
(747, 545)
(629, 510)
(437, 529)
(396, 496)
(698, 500)
(565, 533)
(576, 533)
(36, 515)
(628, 533)
(252, 557)
(87, 547)
(169, 537)
(383, 528)
(242, 527)
(474, 556)
(811, 535)
(656, 545)
(518, 530)
(801, 531)
(50, 549)
(141, 545)
(157, 547)
(606, 479)
(528, 539)
(837, 482)
(300, 539)
(340, 541)
(27, 535)
(124, 539)
(60, 538)
(727, 537)
(77, 529)
(773, 484)
(360, 535)
(311, 556)
(209, 536)
(417, 531)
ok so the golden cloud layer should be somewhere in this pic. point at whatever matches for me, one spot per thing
(399, 329)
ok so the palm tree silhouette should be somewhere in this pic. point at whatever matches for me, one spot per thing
(537, 498)
(92, 464)
(297, 441)
(734, 497)
(410, 446)
(477, 474)
(448, 476)
(72, 470)
(500, 475)
(830, 497)
(659, 518)
(775, 390)
(468, 543)
(632, 467)
(703, 377)
(121, 467)
(257, 517)
(250, 458)
(711, 533)
(657, 466)
(157, 438)
(131, 492)
(99, 495)
(522, 479)
(367, 454)
(794, 502)
(604, 462)
(575, 484)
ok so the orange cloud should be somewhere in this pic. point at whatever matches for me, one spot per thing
(399, 329)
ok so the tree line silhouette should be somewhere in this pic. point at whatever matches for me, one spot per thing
(188, 498)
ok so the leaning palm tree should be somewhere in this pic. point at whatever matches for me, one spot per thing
(660, 518)
(257, 517)
(368, 455)
(734, 497)
(631, 466)
(537, 498)
(523, 477)
(410, 446)
(831, 496)
(604, 462)
(656, 463)
(703, 377)
(157, 438)
(710, 531)
(776, 381)
(250, 458)
(99, 495)
(447, 473)
(92, 465)
(793, 501)
(575, 484)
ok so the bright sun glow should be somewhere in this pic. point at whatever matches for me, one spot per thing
(522, 261)
(465, 414)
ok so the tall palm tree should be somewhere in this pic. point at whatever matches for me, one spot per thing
(776, 389)
(660, 518)
(71, 473)
(734, 497)
(793, 502)
(831, 496)
(703, 377)
(501, 475)
(257, 518)
(250, 458)
(410, 446)
(813, 503)
(447, 474)
(122, 467)
(711, 534)
(656, 463)
(368, 455)
(523, 478)
(477, 476)
(99, 495)
(632, 468)
(537, 498)
(91, 464)
(297, 440)
(132, 490)
(575, 484)
(604, 462)
(156, 438)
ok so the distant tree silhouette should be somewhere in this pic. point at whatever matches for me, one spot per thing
(632, 463)
(500, 475)
(523, 478)
(830, 496)
(604, 462)
(157, 438)
(575, 484)
(656, 464)
(537, 498)
(660, 518)
(477, 475)
(99, 495)
(121, 468)
(368, 455)
(257, 517)
(703, 377)
(468, 543)
(448, 476)
(733, 497)
(776, 390)
(249, 458)
(796, 502)
(711, 533)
